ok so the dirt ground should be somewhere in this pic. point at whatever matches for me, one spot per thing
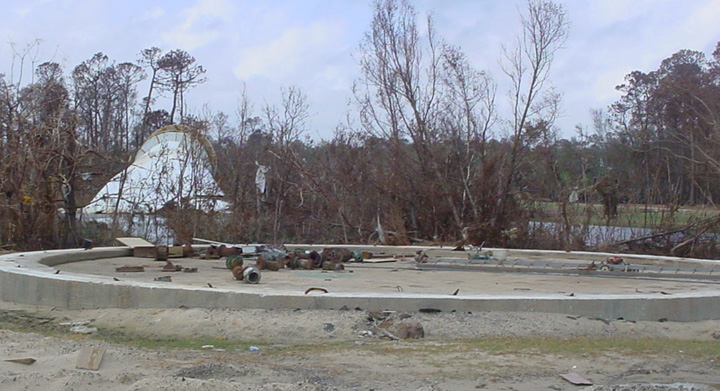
(206, 349)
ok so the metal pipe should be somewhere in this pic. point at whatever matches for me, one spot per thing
(251, 275)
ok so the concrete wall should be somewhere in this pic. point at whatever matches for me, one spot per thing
(29, 278)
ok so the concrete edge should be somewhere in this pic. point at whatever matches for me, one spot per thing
(30, 279)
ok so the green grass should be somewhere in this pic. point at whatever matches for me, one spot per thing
(179, 343)
(629, 215)
(709, 350)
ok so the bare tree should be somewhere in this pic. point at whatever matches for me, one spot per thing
(467, 117)
(179, 74)
(286, 125)
(527, 64)
(128, 75)
(149, 58)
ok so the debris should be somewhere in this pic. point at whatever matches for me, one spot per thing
(407, 329)
(87, 244)
(141, 247)
(328, 327)
(380, 260)
(226, 250)
(265, 264)
(377, 315)
(76, 323)
(336, 254)
(479, 254)
(249, 274)
(209, 285)
(576, 379)
(300, 259)
(237, 272)
(607, 322)
(388, 334)
(500, 255)
(456, 292)
(83, 330)
(163, 162)
(614, 260)
(190, 270)
(574, 197)
(163, 279)
(429, 310)
(294, 261)
(90, 357)
(260, 181)
(213, 252)
(176, 252)
(253, 348)
(366, 334)
(161, 253)
(24, 361)
(336, 266)
(421, 256)
(394, 326)
(188, 250)
(129, 269)
(323, 290)
(170, 267)
(233, 261)
(272, 254)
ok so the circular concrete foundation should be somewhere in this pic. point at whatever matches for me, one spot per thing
(650, 288)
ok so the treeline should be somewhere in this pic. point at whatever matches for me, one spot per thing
(425, 156)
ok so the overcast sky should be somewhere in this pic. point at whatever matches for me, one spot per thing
(312, 44)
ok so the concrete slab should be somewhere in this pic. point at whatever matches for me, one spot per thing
(87, 279)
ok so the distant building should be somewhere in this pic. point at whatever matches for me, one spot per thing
(172, 169)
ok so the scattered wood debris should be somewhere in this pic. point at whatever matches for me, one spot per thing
(576, 379)
(130, 269)
(90, 357)
(24, 361)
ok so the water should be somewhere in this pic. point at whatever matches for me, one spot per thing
(152, 228)
(599, 234)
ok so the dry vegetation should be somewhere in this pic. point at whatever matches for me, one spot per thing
(428, 158)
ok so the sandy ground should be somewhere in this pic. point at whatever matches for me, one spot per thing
(342, 350)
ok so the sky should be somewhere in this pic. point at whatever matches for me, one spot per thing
(262, 47)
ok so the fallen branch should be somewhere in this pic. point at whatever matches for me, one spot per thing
(707, 223)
